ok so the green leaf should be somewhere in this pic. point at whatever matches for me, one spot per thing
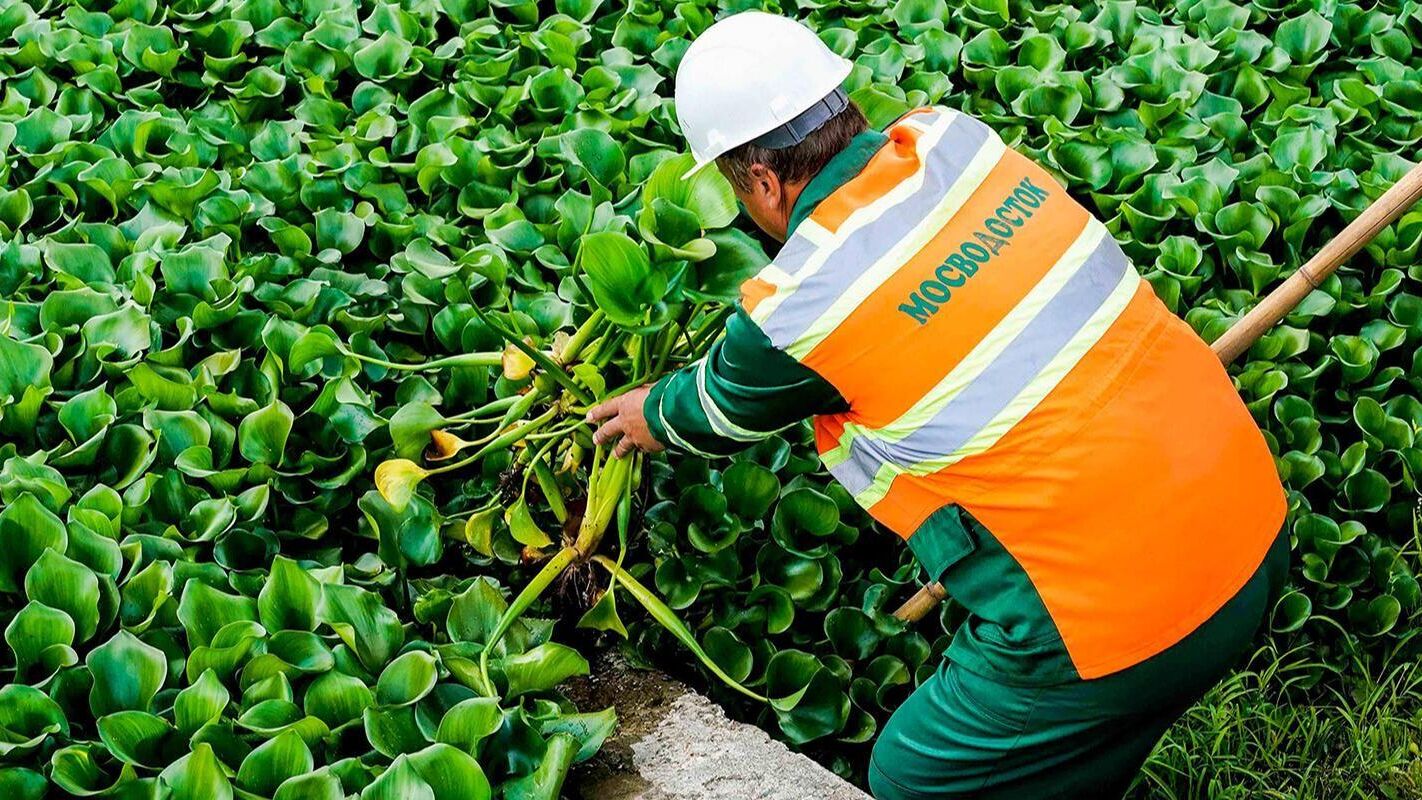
(523, 528)
(1303, 37)
(596, 152)
(204, 611)
(729, 652)
(590, 730)
(370, 629)
(137, 738)
(410, 428)
(394, 731)
(399, 781)
(127, 673)
(669, 620)
(196, 776)
(749, 489)
(469, 722)
(451, 773)
(383, 58)
(546, 781)
(1377, 617)
(22, 783)
(28, 530)
(621, 277)
(737, 259)
(200, 704)
(807, 697)
(38, 634)
(475, 612)
(707, 194)
(27, 717)
(262, 434)
(22, 367)
(407, 679)
(83, 770)
(318, 785)
(69, 586)
(541, 668)
(1291, 612)
(273, 763)
(336, 698)
(290, 599)
(603, 615)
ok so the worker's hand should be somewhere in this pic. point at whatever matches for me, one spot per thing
(622, 421)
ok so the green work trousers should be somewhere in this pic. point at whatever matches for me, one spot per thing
(965, 735)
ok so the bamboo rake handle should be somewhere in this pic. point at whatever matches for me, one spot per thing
(1275, 306)
(1381, 213)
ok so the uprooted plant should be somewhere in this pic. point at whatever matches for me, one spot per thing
(651, 314)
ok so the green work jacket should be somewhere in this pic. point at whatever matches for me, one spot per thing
(745, 390)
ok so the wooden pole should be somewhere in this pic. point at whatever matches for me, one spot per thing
(1275, 306)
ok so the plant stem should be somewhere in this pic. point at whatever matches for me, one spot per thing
(518, 409)
(499, 443)
(608, 348)
(607, 486)
(582, 336)
(464, 360)
(493, 407)
(669, 343)
(552, 493)
(708, 331)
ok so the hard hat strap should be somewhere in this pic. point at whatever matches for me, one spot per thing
(804, 123)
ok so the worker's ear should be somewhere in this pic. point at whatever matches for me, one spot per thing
(766, 200)
(766, 185)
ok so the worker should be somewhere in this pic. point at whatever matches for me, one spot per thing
(990, 377)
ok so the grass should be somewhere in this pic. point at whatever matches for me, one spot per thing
(1291, 727)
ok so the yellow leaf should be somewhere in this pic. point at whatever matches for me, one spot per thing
(444, 446)
(517, 364)
(396, 480)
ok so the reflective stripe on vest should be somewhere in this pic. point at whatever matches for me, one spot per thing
(997, 350)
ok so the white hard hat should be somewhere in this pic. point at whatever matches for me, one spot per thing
(752, 74)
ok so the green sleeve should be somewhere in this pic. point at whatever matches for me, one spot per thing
(743, 391)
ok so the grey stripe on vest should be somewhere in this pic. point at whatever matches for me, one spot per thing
(946, 163)
(982, 400)
(793, 255)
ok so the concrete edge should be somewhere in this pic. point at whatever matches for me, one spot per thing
(672, 743)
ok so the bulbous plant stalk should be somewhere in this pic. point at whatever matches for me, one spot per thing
(607, 488)
(490, 411)
(462, 360)
(594, 325)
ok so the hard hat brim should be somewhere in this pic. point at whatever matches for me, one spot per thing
(697, 167)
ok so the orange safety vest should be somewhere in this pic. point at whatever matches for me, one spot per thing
(998, 351)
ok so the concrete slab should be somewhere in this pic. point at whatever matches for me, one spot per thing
(674, 744)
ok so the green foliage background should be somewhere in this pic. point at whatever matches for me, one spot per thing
(237, 237)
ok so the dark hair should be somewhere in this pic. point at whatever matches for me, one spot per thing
(797, 162)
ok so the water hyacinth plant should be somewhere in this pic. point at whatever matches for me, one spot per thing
(304, 303)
